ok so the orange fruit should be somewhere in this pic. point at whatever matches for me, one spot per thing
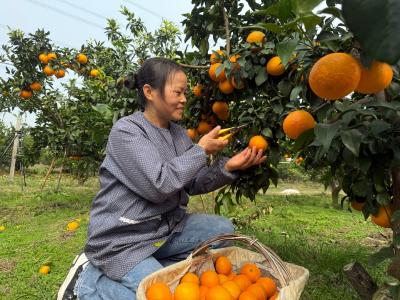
(223, 265)
(94, 73)
(25, 94)
(357, 205)
(43, 58)
(209, 278)
(251, 271)
(237, 83)
(231, 276)
(197, 90)
(214, 57)
(44, 270)
(203, 292)
(257, 290)
(35, 86)
(334, 76)
(222, 278)
(268, 284)
(255, 37)
(51, 56)
(247, 296)
(234, 58)
(60, 73)
(72, 226)
(297, 122)
(274, 296)
(220, 107)
(259, 142)
(232, 288)
(212, 72)
(242, 281)
(203, 127)
(82, 58)
(187, 291)
(48, 70)
(158, 291)
(226, 87)
(190, 277)
(382, 218)
(375, 79)
(192, 133)
(274, 66)
(218, 293)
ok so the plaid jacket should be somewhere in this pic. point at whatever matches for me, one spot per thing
(145, 180)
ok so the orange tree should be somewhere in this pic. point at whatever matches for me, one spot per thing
(325, 85)
(74, 116)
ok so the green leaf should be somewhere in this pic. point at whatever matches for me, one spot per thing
(285, 87)
(310, 21)
(267, 132)
(306, 6)
(286, 9)
(380, 256)
(204, 46)
(285, 49)
(352, 140)
(396, 241)
(379, 36)
(334, 11)
(295, 92)
(303, 140)
(379, 126)
(325, 133)
(261, 76)
(271, 27)
(395, 216)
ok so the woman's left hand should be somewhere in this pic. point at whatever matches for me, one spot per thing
(245, 159)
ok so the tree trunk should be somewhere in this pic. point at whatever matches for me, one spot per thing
(360, 280)
(336, 186)
(394, 266)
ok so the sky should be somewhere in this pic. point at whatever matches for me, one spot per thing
(71, 23)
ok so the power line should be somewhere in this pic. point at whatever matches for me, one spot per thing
(83, 9)
(145, 9)
(66, 14)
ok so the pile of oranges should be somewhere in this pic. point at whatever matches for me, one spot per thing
(219, 284)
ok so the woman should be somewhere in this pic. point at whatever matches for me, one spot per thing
(138, 220)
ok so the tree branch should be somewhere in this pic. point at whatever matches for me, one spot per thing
(227, 29)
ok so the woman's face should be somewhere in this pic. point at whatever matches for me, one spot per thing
(171, 107)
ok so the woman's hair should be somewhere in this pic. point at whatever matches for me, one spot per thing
(154, 72)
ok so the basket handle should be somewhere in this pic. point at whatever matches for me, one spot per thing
(276, 262)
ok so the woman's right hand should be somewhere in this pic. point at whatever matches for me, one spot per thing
(210, 142)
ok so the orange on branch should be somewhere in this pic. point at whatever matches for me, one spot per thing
(237, 83)
(275, 67)
(158, 291)
(375, 78)
(192, 133)
(48, 70)
(251, 271)
(334, 76)
(214, 58)
(212, 72)
(82, 58)
(51, 56)
(259, 142)
(255, 37)
(187, 291)
(25, 94)
(35, 86)
(203, 127)
(226, 87)
(43, 58)
(60, 73)
(382, 218)
(297, 122)
(197, 90)
(94, 73)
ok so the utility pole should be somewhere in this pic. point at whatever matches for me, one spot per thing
(15, 148)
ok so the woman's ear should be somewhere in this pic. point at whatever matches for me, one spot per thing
(148, 92)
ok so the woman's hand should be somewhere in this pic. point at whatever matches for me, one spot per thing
(210, 142)
(245, 159)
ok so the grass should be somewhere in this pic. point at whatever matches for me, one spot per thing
(302, 229)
